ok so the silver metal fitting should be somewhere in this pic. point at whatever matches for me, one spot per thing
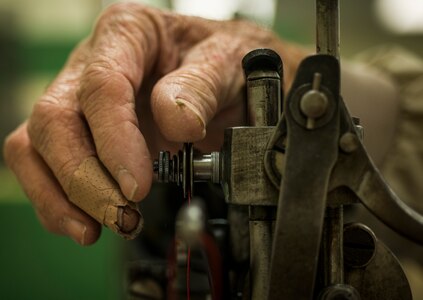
(186, 168)
(207, 167)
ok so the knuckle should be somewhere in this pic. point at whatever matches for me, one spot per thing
(44, 113)
(99, 72)
(101, 82)
(119, 16)
(54, 131)
(118, 9)
(131, 23)
(45, 119)
(14, 144)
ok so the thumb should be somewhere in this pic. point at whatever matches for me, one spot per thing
(208, 80)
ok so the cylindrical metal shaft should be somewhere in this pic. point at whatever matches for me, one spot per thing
(207, 167)
(327, 42)
(327, 27)
(332, 243)
(263, 94)
(263, 71)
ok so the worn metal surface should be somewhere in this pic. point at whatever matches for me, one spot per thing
(340, 292)
(206, 167)
(263, 71)
(261, 235)
(302, 199)
(332, 246)
(356, 171)
(327, 27)
(314, 163)
(243, 179)
(263, 94)
(185, 168)
(382, 278)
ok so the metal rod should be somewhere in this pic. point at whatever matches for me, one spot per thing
(327, 42)
(332, 246)
(327, 27)
(261, 238)
(263, 70)
(263, 94)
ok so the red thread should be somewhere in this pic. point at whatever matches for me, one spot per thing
(188, 273)
(189, 259)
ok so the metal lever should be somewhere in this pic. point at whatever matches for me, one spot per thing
(309, 159)
(356, 171)
(317, 161)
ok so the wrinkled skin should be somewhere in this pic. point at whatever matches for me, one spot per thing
(144, 80)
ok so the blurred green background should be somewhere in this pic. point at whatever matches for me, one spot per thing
(37, 265)
(35, 40)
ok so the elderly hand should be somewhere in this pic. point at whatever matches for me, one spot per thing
(144, 80)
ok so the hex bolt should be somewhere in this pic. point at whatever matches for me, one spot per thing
(314, 103)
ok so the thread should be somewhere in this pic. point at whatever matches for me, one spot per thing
(188, 275)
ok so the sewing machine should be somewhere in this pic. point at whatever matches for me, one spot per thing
(287, 178)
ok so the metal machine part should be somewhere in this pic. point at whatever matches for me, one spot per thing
(308, 163)
(185, 167)
(263, 72)
(264, 76)
(359, 245)
(314, 187)
(310, 175)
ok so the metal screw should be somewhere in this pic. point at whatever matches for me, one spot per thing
(348, 142)
(314, 103)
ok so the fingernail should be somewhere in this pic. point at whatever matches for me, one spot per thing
(181, 103)
(74, 229)
(128, 184)
(200, 120)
